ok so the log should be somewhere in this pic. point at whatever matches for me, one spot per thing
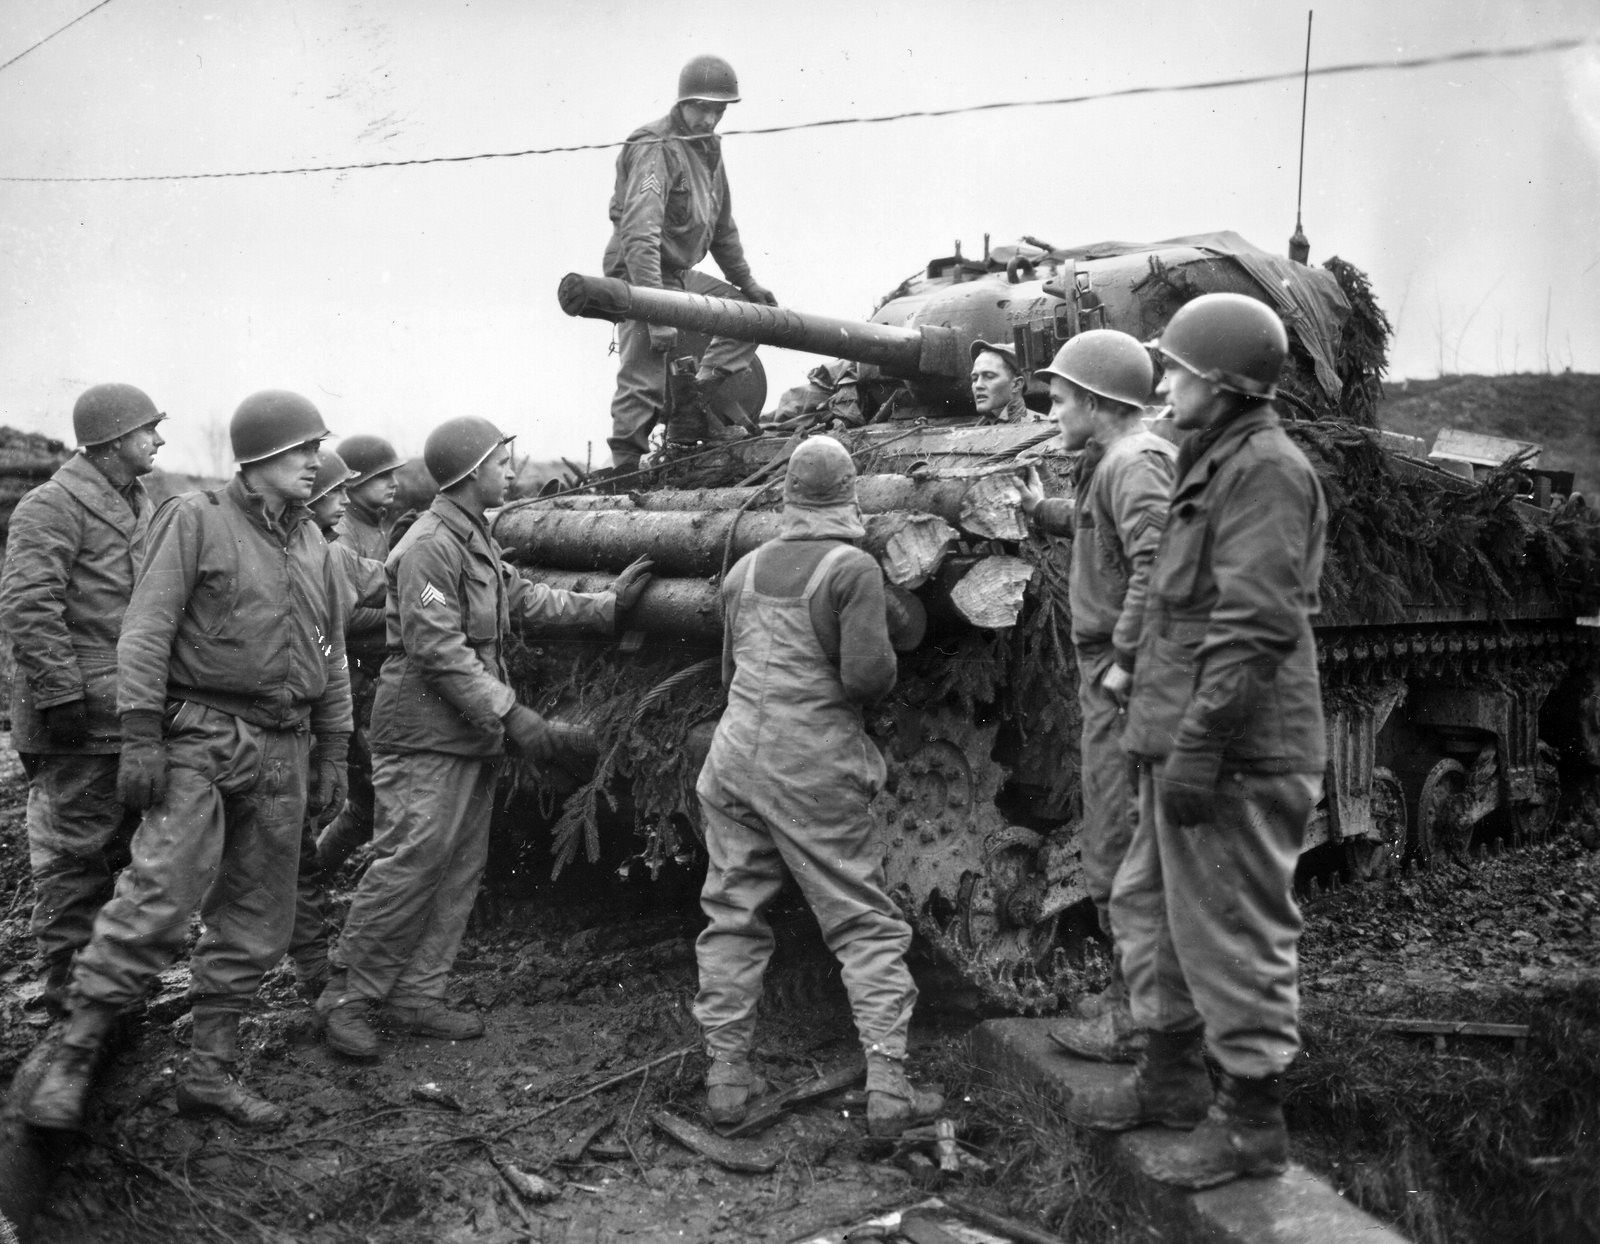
(677, 608)
(992, 508)
(733, 1155)
(573, 501)
(764, 1111)
(876, 494)
(990, 594)
(689, 543)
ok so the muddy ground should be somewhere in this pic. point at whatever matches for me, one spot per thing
(1483, 1139)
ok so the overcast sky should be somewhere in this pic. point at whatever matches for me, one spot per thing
(396, 298)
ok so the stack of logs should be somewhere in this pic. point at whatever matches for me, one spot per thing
(928, 531)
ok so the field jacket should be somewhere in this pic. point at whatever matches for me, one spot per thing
(365, 635)
(69, 568)
(1116, 520)
(238, 613)
(671, 207)
(451, 601)
(1227, 666)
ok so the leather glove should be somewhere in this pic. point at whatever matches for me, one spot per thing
(756, 292)
(1115, 684)
(67, 724)
(142, 769)
(1186, 787)
(631, 583)
(662, 338)
(531, 736)
(330, 780)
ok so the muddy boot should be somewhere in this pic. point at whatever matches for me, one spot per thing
(339, 840)
(342, 1017)
(310, 982)
(431, 1018)
(1170, 1086)
(892, 1103)
(209, 1085)
(1110, 1037)
(57, 1103)
(1244, 1134)
(730, 1084)
(55, 977)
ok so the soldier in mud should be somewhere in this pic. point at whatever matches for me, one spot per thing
(441, 725)
(370, 492)
(1226, 720)
(788, 784)
(362, 584)
(997, 383)
(69, 571)
(1099, 384)
(670, 207)
(230, 679)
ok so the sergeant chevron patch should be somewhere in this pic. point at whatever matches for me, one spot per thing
(431, 595)
(650, 185)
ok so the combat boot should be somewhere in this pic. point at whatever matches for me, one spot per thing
(1110, 1037)
(338, 841)
(54, 979)
(1169, 1086)
(57, 1102)
(1244, 1134)
(730, 1084)
(431, 1018)
(209, 1084)
(342, 1016)
(892, 1103)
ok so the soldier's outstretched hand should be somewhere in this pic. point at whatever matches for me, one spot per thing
(631, 583)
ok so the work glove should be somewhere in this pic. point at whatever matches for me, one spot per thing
(330, 780)
(756, 292)
(906, 616)
(1115, 684)
(67, 724)
(530, 735)
(1186, 787)
(631, 583)
(142, 769)
(1030, 488)
(662, 338)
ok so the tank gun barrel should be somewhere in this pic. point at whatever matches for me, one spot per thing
(909, 353)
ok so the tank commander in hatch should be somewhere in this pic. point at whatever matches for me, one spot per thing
(670, 207)
(997, 383)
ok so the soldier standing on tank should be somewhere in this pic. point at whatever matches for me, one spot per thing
(442, 721)
(230, 672)
(362, 589)
(69, 571)
(369, 493)
(1226, 721)
(788, 784)
(671, 206)
(997, 383)
(1099, 384)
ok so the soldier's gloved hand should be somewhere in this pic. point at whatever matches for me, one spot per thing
(906, 616)
(531, 736)
(757, 292)
(631, 583)
(1115, 684)
(1186, 787)
(330, 780)
(1032, 490)
(67, 724)
(142, 769)
(662, 338)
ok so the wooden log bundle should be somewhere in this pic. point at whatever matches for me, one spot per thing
(676, 608)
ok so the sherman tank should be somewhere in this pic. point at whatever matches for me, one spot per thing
(1459, 673)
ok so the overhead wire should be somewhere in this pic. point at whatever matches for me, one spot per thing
(33, 46)
(1369, 66)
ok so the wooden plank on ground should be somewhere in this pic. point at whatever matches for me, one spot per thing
(733, 1155)
(765, 1110)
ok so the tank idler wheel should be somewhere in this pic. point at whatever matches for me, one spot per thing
(1379, 856)
(1437, 829)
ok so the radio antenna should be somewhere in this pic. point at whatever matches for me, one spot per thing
(1299, 244)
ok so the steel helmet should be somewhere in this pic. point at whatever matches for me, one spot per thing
(1104, 361)
(107, 411)
(332, 472)
(821, 473)
(1232, 340)
(269, 422)
(458, 447)
(709, 78)
(1007, 352)
(368, 456)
